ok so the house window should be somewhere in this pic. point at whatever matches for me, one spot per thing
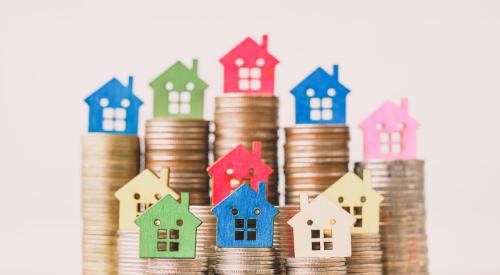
(357, 212)
(321, 108)
(390, 142)
(167, 240)
(114, 118)
(249, 78)
(322, 239)
(245, 229)
(179, 102)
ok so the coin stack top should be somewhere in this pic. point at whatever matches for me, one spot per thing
(177, 266)
(182, 146)
(246, 261)
(402, 214)
(243, 119)
(332, 266)
(109, 162)
(283, 235)
(129, 262)
(366, 257)
(315, 157)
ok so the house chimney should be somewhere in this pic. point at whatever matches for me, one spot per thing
(164, 176)
(304, 200)
(257, 149)
(264, 41)
(185, 200)
(130, 83)
(336, 72)
(194, 68)
(404, 105)
(367, 177)
(262, 189)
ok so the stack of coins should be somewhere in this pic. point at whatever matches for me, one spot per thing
(182, 146)
(316, 156)
(206, 234)
(246, 261)
(129, 262)
(402, 214)
(177, 266)
(242, 119)
(283, 235)
(315, 266)
(366, 255)
(109, 162)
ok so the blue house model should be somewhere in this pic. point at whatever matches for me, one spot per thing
(320, 98)
(114, 109)
(245, 218)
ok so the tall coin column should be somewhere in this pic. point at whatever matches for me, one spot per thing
(315, 157)
(390, 153)
(243, 119)
(109, 161)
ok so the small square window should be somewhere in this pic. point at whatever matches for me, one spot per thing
(255, 84)
(326, 102)
(120, 113)
(327, 114)
(162, 234)
(315, 114)
(315, 103)
(384, 137)
(359, 223)
(328, 245)
(174, 234)
(252, 223)
(243, 72)
(174, 246)
(251, 235)
(395, 137)
(186, 97)
(315, 233)
(347, 209)
(255, 73)
(327, 233)
(120, 125)
(316, 246)
(384, 148)
(358, 210)
(173, 97)
(173, 108)
(141, 207)
(244, 84)
(108, 125)
(239, 223)
(239, 235)
(161, 246)
(108, 113)
(396, 148)
(185, 108)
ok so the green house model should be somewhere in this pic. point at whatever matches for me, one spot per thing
(178, 92)
(168, 229)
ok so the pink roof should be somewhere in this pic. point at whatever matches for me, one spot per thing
(391, 115)
(249, 48)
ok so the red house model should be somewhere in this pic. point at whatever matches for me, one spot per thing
(249, 68)
(237, 167)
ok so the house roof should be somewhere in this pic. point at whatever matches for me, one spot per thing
(169, 203)
(249, 47)
(243, 196)
(391, 114)
(235, 157)
(179, 69)
(322, 79)
(116, 89)
(146, 177)
(351, 181)
(319, 205)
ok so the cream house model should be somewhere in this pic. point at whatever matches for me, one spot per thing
(321, 229)
(139, 194)
(357, 197)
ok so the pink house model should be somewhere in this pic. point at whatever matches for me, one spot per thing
(237, 167)
(249, 68)
(390, 133)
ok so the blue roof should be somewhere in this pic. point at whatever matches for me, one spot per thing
(321, 81)
(114, 89)
(243, 196)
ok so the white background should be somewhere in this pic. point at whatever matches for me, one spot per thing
(444, 55)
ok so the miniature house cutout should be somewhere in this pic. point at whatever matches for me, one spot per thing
(179, 92)
(320, 98)
(245, 218)
(139, 194)
(249, 68)
(357, 197)
(390, 133)
(114, 109)
(237, 167)
(321, 229)
(168, 229)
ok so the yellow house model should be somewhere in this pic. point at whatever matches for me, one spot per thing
(357, 197)
(139, 194)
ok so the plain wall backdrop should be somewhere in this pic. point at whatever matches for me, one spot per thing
(443, 54)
